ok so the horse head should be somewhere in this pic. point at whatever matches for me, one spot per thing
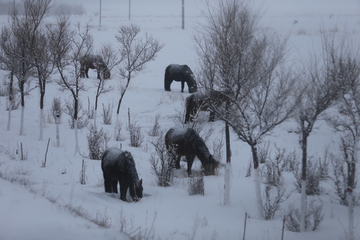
(192, 84)
(211, 166)
(136, 190)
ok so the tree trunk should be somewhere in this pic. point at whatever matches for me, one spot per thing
(227, 167)
(351, 235)
(22, 119)
(76, 124)
(351, 185)
(259, 203)
(9, 115)
(95, 116)
(227, 184)
(57, 131)
(11, 99)
(303, 201)
(96, 105)
(42, 96)
(41, 124)
(76, 137)
(116, 126)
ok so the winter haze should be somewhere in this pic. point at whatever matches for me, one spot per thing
(51, 203)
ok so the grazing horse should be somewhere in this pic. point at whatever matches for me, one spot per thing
(93, 62)
(180, 73)
(203, 102)
(119, 166)
(187, 142)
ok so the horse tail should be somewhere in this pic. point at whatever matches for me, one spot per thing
(189, 105)
(167, 79)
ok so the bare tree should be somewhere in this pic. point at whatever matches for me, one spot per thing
(322, 87)
(40, 52)
(7, 63)
(67, 47)
(345, 67)
(21, 53)
(135, 53)
(246, 66)
(22, 28)
(110, 59)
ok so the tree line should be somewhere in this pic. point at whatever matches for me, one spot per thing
(237, 58)
(248, 65)
(31, 48)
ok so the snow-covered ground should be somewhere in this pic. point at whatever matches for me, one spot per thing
(50, 203)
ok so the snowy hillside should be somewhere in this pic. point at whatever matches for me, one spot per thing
(50, 202)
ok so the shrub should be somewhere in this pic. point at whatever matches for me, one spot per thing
(118, 136)
(339, 179)
(274, 189)
(97, 142)
(313, 217)
(155, 131)
(107, 113)
(162, 163)
(316, 172)
(90, 113)
(56, 110)
(82, 121)
(136, 138)
(196, 185)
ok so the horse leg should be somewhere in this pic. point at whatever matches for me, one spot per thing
(182, 85)
(177, 162)
(87, 72)
(188, 115)
(123, 190)
(107, 183)
(114, 184)
(167, 83)
(189, 160)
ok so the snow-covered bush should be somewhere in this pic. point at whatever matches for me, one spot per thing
(56, 110)
(196, 185)
(162, 162)
(90, 113)
(82, 120)
(118, 126)
(97, 142)
(136, 137)
(107, 114)
(317, 171)
(155, 131)
(275, 192)
(339, 179)
(313, 217)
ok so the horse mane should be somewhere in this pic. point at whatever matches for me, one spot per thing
(130, 166)
(199, 146)
(190, 81)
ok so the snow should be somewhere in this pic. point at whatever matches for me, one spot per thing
(41, 202)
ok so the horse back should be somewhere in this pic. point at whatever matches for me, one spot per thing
(177, 72)
(180, 139)
(115, 163)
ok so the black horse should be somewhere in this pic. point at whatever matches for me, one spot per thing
(180, 73)
(93, 62)
(203, 102)
(187, 142)
(119, 166)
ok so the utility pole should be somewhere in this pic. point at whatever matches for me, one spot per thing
(183, 14)
(100, 15)
(129, 10)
